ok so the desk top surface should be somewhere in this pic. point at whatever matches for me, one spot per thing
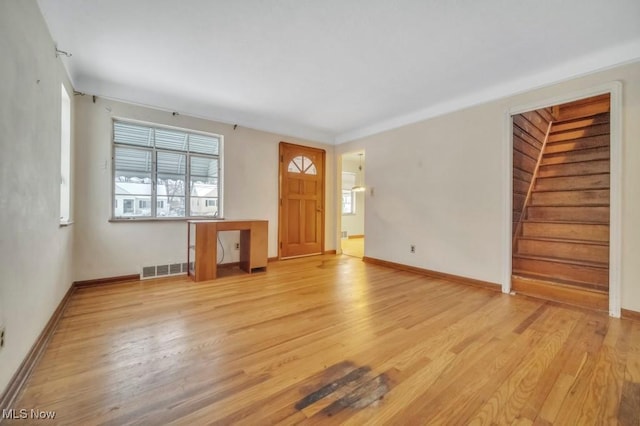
(224, 220)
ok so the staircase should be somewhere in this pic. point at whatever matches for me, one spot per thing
(561, 248)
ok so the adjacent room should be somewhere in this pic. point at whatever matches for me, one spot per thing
(302, 212)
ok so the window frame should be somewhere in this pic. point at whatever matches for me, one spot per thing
(154, 173)
(348, 181)
(352, 194)
(66, 125)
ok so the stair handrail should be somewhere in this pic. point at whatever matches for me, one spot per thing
(531, 185)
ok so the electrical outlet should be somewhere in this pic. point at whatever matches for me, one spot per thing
(412, 248)
(2, 333)
(237, 246)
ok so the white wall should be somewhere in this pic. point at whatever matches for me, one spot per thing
(354, 224)
(35, 252)
(439, 184)
(107, 249)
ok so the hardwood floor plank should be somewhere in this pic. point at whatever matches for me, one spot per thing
(279, 347)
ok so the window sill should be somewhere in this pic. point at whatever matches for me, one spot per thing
(161, 219)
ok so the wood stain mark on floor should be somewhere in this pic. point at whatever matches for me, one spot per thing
(364, 391)
(361, 397)
(331, 387)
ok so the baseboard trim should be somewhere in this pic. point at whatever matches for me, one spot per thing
(329, 252)
(273, 259)
(17, 382)
(350, 237)
(108, 280)
(630, 315)
(435, 274)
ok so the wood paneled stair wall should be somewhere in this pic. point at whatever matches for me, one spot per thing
(561, 241)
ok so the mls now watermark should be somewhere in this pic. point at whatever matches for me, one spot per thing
(24, 414)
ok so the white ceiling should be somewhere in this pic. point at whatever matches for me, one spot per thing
(334, 70)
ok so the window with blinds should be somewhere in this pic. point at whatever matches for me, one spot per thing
(161, 172)
(348, 196)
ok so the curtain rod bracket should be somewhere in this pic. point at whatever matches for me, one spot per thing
(62, 52)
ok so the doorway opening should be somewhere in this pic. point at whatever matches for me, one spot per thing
(353, 204)
(561, 202)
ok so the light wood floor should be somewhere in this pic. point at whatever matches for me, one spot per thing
(353, 247)
(333, 340)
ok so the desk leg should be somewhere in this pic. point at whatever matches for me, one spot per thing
(245, 250)
(206, 252)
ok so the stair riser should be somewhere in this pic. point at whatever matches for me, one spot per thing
(577, 156)
(578, 144)
(573, 169)
(589, 276)
(571, 183)
(574, 251)
(575, 214)
(590, 108)
(571, 198)
(580, 123)
(600, 129)
(550, 291)
(574, 231)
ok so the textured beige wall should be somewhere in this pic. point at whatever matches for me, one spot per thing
(107, 249)
(35, 252)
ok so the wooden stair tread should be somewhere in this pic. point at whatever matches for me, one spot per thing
(557, 282)
(569, 190)
(594, 173)
(561, 214)
(563, 222)
(599, 118)
(571, 280)
(598, 265)
(565, 240)
(574, 169)
(561, 291)
(579, 132)
(581, 285)
(546, 204)
(578, 156)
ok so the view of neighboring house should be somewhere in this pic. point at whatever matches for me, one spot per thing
(134, 199)
(204, 201)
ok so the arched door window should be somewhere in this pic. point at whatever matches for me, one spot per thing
(302, 164)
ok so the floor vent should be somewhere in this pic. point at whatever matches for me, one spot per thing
(163, 270)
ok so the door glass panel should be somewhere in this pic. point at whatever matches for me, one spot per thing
(302, 164)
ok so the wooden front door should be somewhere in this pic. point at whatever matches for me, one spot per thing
(301, 216)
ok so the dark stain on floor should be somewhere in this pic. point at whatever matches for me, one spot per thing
(366, 390)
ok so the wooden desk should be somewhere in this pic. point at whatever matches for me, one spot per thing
(202, 245)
